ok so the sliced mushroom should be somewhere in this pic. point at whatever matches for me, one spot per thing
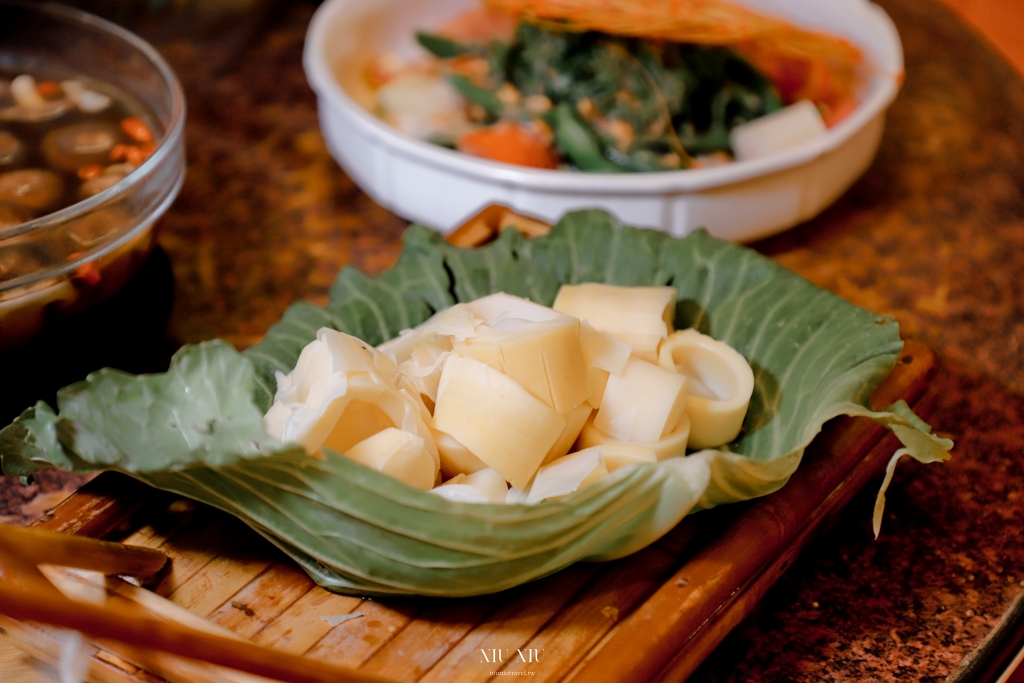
(91, 229)
(12, 150)
(110, 176)
(89, 101)
(33, 188)
(48, 110)
(16, 261)
(25, 92)
(69, 148)
(13, 214)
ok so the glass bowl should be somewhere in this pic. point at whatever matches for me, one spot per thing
(66, 261)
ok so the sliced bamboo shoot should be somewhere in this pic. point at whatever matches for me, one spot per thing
(485, 486)
(620, 454)
(455, 458)
(460, 492)
(399, 454)
(638, 316)
(495, 418)
(566, 475)
(544, 357)
(340, 393)
(603, 350)
(670, 446)
(719, 382)
(643, 404)
(598, 379)
(419, 353)
(456, 322)
(490, 483)
(494, 308)
(603, 354)
(574, 423)
(422, 371)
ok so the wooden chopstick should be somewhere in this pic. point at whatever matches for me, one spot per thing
(26, 594)
(140, 630)
(45, 547)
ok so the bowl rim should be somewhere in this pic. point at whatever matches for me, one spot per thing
(168, 146)
(884, 85)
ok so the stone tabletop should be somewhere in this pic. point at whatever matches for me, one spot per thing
(933, 235)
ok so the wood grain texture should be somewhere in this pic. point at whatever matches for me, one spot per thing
(300, 627)
(521, 617)
(583, 623)
(98, 508)
(263, 599)
(157, 634)
(47, 547)
(354, 642)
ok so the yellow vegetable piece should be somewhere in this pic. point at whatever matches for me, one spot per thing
(642, 404)
(566, 475)
(487, 351)
(490, 483)
(603, 350)
(495, 418)
(513, 386)
(340, 393)
(399, 454)
(485, 486)
(670, 446)
(638, 316)
(544, 357)
(620, 454)
(360, 419)
(494, 308)
(719, 383)
(420, 352)
(574, 423)
(455, 458)
(598, 380)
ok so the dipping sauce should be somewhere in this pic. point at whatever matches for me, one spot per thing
(62, 141)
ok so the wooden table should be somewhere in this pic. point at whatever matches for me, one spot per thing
(932, 235)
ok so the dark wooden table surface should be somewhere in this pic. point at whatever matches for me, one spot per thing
(933, 235)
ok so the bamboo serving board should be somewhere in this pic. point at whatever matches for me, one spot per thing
(652, 616)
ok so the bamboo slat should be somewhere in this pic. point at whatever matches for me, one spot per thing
(302, 626)
(250, 610)
(47, 547)
(523, 614)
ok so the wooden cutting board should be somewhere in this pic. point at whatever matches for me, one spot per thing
(652, 616)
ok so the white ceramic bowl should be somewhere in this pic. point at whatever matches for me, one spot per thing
(440, 187)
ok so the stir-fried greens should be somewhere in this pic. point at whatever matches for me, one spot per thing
(606, 103)
(619, 85)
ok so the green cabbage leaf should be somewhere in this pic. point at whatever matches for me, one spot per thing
(197, 429)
